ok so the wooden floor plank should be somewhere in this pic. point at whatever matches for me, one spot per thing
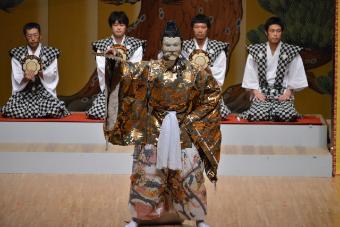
(101, 200)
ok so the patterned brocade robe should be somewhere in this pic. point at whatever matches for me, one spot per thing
(148, 90)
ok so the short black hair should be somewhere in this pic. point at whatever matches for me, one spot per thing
(274, 20)
(118, 16)
(200, 18)
(29, 26)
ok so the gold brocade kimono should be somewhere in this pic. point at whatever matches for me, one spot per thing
(147, 90)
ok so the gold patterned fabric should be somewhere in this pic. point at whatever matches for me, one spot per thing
(148, 90)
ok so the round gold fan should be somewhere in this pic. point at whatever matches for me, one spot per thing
(200, 58)
(31, 63)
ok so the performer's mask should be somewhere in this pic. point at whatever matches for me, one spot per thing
(171, 48)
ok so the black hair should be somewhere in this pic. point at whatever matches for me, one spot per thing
(171, 30)
(200, 18)
(118, 16)
(274, 20)
(29, 26)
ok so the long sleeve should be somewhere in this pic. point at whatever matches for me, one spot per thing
(50, 78)
(100, 62)
(250, 77)
(208, 100)
(219, 68)
(18, 82)
(296, 78)
(203, 125)
(137, 55)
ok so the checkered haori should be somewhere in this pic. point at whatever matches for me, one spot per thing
(47, 54)
(131, 44)
(98, 108)
(214, 48)
(224, 110)
(272, 109)
(286, 55)
(34, 103)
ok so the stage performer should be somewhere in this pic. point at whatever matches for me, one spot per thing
(168, 108)
(273, 72)
(34, 79)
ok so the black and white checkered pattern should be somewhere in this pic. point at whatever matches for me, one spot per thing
(224, 110)
(259, 53)
(34, 104)
(47, 54)
(272, 109)
(131, 44)
(102, 44)
(98, 108)
(286, 56)
(214, 48)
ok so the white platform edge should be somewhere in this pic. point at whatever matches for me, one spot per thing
(121, 163)
(232, 134)
(275, 135)
(51, 132)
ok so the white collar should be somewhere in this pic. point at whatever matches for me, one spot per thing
(277, 51)
(205, 45)
(37, 51)
(114, 40)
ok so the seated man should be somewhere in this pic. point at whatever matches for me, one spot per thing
(118, 22)
(34, 79)
(217, 52)
(273, 72)
(168, 109)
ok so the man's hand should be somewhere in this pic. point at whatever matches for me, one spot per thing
(259, 96)
(286, 95)
(29, 74)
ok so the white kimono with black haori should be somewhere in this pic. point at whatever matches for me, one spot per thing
(35, 98)
(272, 74)
(218, 53)
(135, 49)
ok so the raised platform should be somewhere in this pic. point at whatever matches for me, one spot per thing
(79, 147)
(91, 132)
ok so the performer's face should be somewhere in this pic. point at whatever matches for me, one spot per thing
(200, 30)
(32, 37)
(118, 29)
(274, 33)
(171, 47)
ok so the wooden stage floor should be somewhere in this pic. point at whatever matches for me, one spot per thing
(101, 200)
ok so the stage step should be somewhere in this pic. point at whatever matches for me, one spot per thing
(79, 147)
(235, 160)
(52, 132)
(232, 134)
(274, 135)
